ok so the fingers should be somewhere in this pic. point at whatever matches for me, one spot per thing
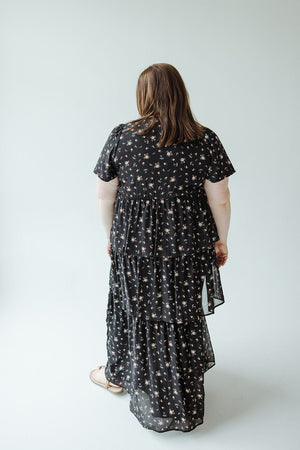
(221, 259)
(108, 249)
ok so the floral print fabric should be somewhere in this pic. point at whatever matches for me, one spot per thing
(164, 277)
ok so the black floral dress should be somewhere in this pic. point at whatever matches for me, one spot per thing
(164, 278)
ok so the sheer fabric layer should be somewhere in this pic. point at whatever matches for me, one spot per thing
(161, 365)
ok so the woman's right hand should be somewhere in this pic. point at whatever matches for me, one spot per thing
(221, 252)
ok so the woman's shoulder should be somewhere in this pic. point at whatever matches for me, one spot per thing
(209, 133)
(117, 129)
(122, 128)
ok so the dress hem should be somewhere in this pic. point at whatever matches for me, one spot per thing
(123, 384)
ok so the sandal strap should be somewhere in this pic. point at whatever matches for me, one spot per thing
(107, 383)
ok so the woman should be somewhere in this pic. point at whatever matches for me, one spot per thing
(165, 205)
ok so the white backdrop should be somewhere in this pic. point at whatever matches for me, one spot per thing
(68, 76)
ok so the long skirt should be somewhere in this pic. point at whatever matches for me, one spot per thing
(158, 343)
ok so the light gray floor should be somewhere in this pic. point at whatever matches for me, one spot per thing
(48, 401)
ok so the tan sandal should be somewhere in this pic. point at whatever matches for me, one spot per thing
(107, 385)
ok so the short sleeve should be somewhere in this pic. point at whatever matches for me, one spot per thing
(219, 164)
(106, 167)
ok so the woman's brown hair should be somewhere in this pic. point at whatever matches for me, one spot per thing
(163, 98)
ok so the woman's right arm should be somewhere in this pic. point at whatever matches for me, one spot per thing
(218, 197)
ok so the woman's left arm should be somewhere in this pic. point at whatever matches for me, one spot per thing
(106, 196)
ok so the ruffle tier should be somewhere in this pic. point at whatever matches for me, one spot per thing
(176, 289)
(169, 224)
(161, 365)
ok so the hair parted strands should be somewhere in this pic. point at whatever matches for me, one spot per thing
(162, 98)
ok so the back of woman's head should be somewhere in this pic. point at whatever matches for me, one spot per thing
(162, 98)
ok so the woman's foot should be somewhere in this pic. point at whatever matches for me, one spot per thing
(98, 377)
